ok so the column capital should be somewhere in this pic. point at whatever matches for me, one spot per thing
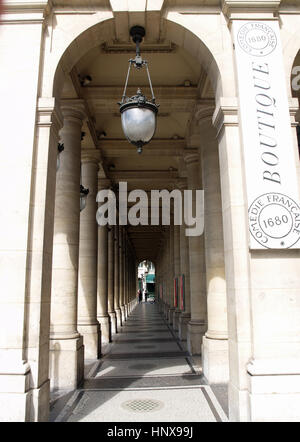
(204, 114)
(181, 184)
(226, 113)
(191, 156)
(73, 108)
(90, 156)
(242, 9)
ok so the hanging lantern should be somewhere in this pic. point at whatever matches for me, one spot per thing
(138, 114)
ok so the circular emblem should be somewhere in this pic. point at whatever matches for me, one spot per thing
(257, 39)
(274, 221)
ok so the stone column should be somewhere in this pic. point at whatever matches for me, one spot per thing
(177, 310)
(125, 273)
(111, 278)
(169, 272)
(66, 344)
(185, 315)
(198, 323)
(121, 282)
(215, 342)
(117, 277)
(102, 287)
(27, 219)
(88, 326)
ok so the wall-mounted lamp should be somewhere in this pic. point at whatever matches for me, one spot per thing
(84, 81)
(83, 196)
(60, 148)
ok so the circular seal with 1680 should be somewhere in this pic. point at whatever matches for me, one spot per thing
(274, 221)
(257, 39)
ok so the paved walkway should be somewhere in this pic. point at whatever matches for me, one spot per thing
(145, 376)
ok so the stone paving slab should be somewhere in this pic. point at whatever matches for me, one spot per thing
(133, 356)
(172, 405)
(151, 367)
(145, 347)
(143, 382)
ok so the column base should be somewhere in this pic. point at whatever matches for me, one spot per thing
(176, 314)
(160, 306)
(113, 323)
(18, 403)
(92, 340)
(166, 311)
(170, 315)
(184, 319)
(274, 390)
(123, 314)
(66, 363)
(119, 318)
(215, 360)
(126, 311)
(195, 333)
(105, 329)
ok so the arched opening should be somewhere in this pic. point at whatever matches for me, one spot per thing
(88, 84)
(146, 281)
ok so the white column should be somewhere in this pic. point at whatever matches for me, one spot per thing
(117, 278)
(176, 312)
(110, 282)
(198, 323)
(121, 278)
(215, 342)
(66, 344)
(185, 314)
(169, 272)
(102, 286)
(25, 270)
(88, 326)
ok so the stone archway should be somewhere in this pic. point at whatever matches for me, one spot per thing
(94, 35)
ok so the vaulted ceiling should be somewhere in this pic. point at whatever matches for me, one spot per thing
(180, 86)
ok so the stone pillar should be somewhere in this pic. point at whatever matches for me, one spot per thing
(88, 326)
(169, 272)
(215, 342)
(102, 287)
(66, 344)
(177, 310)
(121, 272)
(198, 323)
(125, 274)
(27, 219)
(185, 314)
(117, 277)
(111, 278)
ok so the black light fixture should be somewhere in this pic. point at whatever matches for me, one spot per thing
(138, 115)
(83, 196)
(60, 148)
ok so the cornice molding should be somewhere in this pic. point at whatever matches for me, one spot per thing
(226, 113)
(294, 111)
(49, 114)
(26, 12)
(240, 9)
